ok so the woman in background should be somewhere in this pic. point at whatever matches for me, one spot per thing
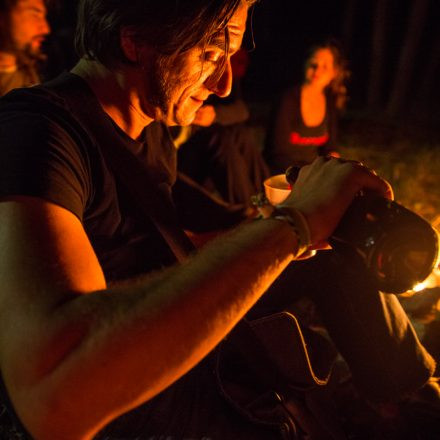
(305, 120)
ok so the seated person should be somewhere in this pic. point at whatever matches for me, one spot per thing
(305, 119)
(107, 330)
(23, 27)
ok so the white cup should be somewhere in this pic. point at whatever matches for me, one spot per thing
(277, 188)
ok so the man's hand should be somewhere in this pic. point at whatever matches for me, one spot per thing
(205, 116)
(325, 189)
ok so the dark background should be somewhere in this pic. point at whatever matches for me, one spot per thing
(399, 79)
(393, 48)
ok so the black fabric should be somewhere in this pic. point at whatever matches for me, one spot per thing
(151, 197)
(226, 160)
(282, 147)
(199, 210)
(66, 167)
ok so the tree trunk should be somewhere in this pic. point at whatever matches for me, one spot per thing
(407, 56)
(375, 83)
(429, 80)
(348, 24)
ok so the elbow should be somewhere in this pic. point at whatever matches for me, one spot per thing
(47, 416)
(39, 388)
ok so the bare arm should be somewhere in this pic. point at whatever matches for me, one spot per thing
(75, 354)
(64, 340)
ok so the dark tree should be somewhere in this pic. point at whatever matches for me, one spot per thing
(378, 51)
(406, 65)
(349, 23)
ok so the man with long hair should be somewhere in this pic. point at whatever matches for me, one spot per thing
(100, 327)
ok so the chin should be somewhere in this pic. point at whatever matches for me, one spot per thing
(173, 121)
(187, 121)
(183, 119)
(33, 51)
(181, 115)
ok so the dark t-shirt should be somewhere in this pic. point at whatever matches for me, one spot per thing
(47, 156)
(45, 152)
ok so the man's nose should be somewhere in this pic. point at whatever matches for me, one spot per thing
(221, 84)
(44, 26)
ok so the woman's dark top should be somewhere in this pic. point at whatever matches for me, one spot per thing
(291, 142)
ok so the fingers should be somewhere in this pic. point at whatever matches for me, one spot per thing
(324, 189)
(363, 177)
(369, 180)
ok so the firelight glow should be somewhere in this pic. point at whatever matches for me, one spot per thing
(433, 280)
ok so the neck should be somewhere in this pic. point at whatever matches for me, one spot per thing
(8, 61)
(116, 94)
(312, 88)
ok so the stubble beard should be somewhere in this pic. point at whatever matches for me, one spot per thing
(158, 88)
(162, 87)
(27, 54)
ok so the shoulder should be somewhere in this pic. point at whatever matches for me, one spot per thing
(35, 118)
(46, 108)
(44, 152)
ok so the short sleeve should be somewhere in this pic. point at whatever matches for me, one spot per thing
(40, 158)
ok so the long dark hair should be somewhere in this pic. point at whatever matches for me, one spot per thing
(338, 85)
(170, 26)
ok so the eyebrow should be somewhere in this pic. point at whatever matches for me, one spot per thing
(218, 41)
(31, 5)
(37, 9)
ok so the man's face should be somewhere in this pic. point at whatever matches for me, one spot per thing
(28, 26)
(175, 92)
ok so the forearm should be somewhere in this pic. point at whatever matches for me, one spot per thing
(136, 339)
(74, 361)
